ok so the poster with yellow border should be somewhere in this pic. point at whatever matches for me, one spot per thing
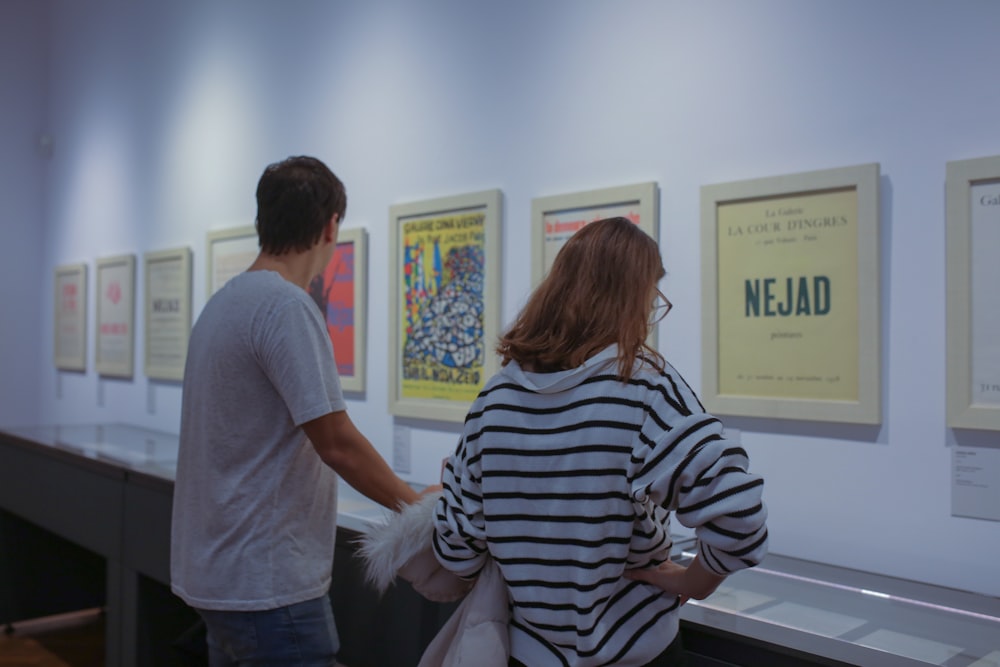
(790, 286)
(444, 305)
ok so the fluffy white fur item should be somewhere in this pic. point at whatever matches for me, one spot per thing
(401, 546)
(475, 635)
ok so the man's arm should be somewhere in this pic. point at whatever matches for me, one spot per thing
(343, 447)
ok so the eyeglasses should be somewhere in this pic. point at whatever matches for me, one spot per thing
(661, 307)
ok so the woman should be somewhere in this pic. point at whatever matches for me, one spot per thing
(572, 458)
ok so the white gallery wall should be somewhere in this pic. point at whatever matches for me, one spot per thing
(23, 90)
(163, 115)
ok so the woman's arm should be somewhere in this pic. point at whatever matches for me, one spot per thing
(693, 581)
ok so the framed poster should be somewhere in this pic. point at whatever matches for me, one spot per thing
(973, 306)
(114, 350)
(167, 312)
(444, 303)
(229, 252)
(70, 335)
(790, 296)
(341, 292)
(555, 218)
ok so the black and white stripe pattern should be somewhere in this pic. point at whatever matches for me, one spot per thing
(567, 485)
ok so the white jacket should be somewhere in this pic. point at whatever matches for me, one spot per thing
(476, 634)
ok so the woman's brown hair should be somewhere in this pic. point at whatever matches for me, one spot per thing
(599, 292)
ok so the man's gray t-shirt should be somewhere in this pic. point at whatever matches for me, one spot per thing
(254, 517)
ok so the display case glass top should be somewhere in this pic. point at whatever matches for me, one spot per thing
(852, 616)
(131, 447)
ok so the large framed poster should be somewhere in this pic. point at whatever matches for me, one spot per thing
(341, 293)
(444, 303)
(790, 296)
(555, 218)
(167, 312)
(973, 306)
(70, 330)
(229, 252)
(114, 350)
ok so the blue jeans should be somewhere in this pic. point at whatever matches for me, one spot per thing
(299, 635)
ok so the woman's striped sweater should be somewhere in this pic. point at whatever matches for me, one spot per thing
(567, 479)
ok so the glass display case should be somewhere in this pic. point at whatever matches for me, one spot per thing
(109, 488)
(852, 617)
(123, 445)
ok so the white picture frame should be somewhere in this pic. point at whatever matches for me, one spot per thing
(554, 218)
(431, 377)
(972, 305)
(69, 348)
(228, 252)
(114, 344)
(788, 241)
(341, 292)
(167, 312)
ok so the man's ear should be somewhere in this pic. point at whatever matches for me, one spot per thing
(330, 230)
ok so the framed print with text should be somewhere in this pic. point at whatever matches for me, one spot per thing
(555, 218)
(973, 301)
(790, 296)
(229, 252)
(70, 330)
(114, 350)
(444, 303)
(341, 292)
(167, 312)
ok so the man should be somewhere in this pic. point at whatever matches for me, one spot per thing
(264, 434)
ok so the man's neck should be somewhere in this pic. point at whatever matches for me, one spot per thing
(296, 268)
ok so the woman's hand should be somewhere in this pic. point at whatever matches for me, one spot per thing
(693, 581)
(669, 576)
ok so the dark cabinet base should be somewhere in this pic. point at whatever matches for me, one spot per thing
(42, 574)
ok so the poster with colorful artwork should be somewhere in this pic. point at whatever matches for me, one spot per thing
(445, 305)
(340, 294)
